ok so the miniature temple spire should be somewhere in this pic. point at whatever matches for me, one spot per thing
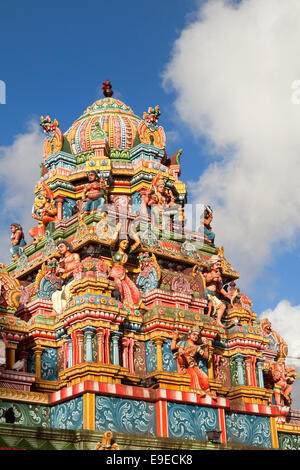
(107, 89)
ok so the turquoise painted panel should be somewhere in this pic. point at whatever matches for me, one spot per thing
(68, 415)
(49, 364)
(25, 414)
(249, 430)
(170, 364)
(190, 421)
(288, 441)
(151, 362)
(129, 416)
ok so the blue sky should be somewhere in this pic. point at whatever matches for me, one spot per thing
(197, 65)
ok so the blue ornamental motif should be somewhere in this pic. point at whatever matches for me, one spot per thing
(151, 361)
(136, 203)
(190, 421)
(148, 278)
(249, 430)
(119, 415)
(68, 415)
(68, 206)
(168, 357)
(49, 364)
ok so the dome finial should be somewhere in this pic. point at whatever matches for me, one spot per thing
(107, 88)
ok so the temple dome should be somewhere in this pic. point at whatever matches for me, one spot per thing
(112, 116)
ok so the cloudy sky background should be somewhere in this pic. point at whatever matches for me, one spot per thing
(225, 76)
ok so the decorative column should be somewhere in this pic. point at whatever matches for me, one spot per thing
(125, 347)
(115, 339)
(248, 371)
(11, 353)
(80, 352)
(143, 193)
(70, 352)
(89, 332)
(38, 351)
(130, 355)
(59, 200)
(159, 357)
(65, 350)
(239, 358)
(106, 347)
(210, 362)
(261, 382)
(100, 333)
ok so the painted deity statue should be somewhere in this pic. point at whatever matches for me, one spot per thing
(66, 269)
(149, 275)
(130, 294)
(17, 240)
(276, 342)
(47, 280)
(151, 117)
(161, 202)
(205, 225)
(44, 210)
(214, 290)
(282, 377)
(94, 194)
(187, 351)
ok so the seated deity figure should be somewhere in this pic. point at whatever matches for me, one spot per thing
(187, 351)
(44, 210)
(66, 269)
(17, 240)
(205, 225)
(161, 202)
(94, 194)
(214, 290)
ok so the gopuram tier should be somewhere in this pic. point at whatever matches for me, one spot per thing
(118, 321)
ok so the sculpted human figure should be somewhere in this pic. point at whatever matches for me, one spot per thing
(187, 351)
(283, 378)
(17, 240)
(214, 289)
(161, 202)
(130, 294)
(94, 193)
(44, 210)
(66, 269)
(205, 225)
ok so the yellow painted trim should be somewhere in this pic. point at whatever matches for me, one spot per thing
(89, 411)
(274, 435)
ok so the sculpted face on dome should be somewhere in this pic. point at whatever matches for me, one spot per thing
(114, 117)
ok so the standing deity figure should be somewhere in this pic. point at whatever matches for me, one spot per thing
(161, 202)
(17, 240)
(44, 210)
(205, 225)
(130, 294)
(94, 194)
(187, 351)
(214, 289)
(282, 377)
(66, 269)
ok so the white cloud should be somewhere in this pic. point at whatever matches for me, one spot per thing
(233, 69)
(20, 169)
(285, 320)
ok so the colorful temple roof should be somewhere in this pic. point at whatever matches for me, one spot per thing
(110, 115)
